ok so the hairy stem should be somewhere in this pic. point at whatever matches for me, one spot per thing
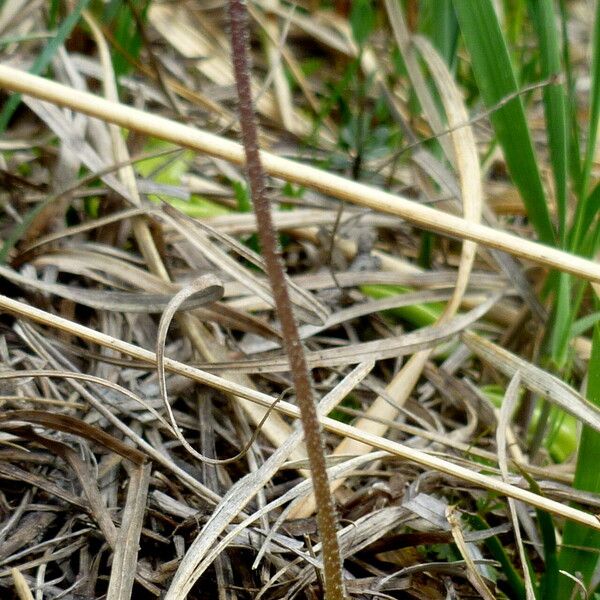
(326, 516)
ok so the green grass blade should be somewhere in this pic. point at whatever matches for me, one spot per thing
(594, 106)
(496, 80)
(44, 58)
(549, 582)
(574, 153)
(19, 229)
(573, 557)
(561, 322)
(53, 13)
(584, 215)
(494, 545)
(514, 19)
(544, 21)
(587, 207)
(582, 325)
(419, 315)
(547, 589)
(439, 24)
(128, 36)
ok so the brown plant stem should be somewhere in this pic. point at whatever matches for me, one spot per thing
(326, 516)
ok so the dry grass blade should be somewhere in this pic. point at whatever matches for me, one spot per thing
(473, 573)
(201, 286)
(189, 481)
(124, 565)
(118, 542)
(465, 158)
(203, 551)
(75, 426)
(354, 537)
(425, 279)
(86, 478)
(296, 220)
(351, 191)
(174, 23)
(400, 450)
(536, 379)
(61, 554)
(118, 301)
(21, 587)
(281, 86)
(314, 27)
(12, 473)
(87, 226)
(121, 154)
(153, 296)
(158, 433)
(358, 310)
(403, 41)
(291, 62)
(274, 428)
(195, 233)
(508, 406)
(467, 165)
(377, 350)
(62, 127)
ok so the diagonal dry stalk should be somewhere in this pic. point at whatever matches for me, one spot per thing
(326, 516)
(293, 171)
(424, 459)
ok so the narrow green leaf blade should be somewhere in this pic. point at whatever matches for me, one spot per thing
(496, 80)
(594, 105)
(544, 20)
(440, 26)
(580, 546)
(44, 58)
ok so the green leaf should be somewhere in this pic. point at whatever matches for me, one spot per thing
(582, 325)
(588, 205)
(548, 584)
(581, 544)
(419, 315)
(242, 195)
(119, 17)
(441, 27)
(44, 58)
(562, 319)
(544, 20)
(53, 13)
(574, 154)
(497, 550)
(594, 105)
(362, 20)
(496, 80)
(584, 217)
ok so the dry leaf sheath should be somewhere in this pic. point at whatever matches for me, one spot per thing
(326, 517)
